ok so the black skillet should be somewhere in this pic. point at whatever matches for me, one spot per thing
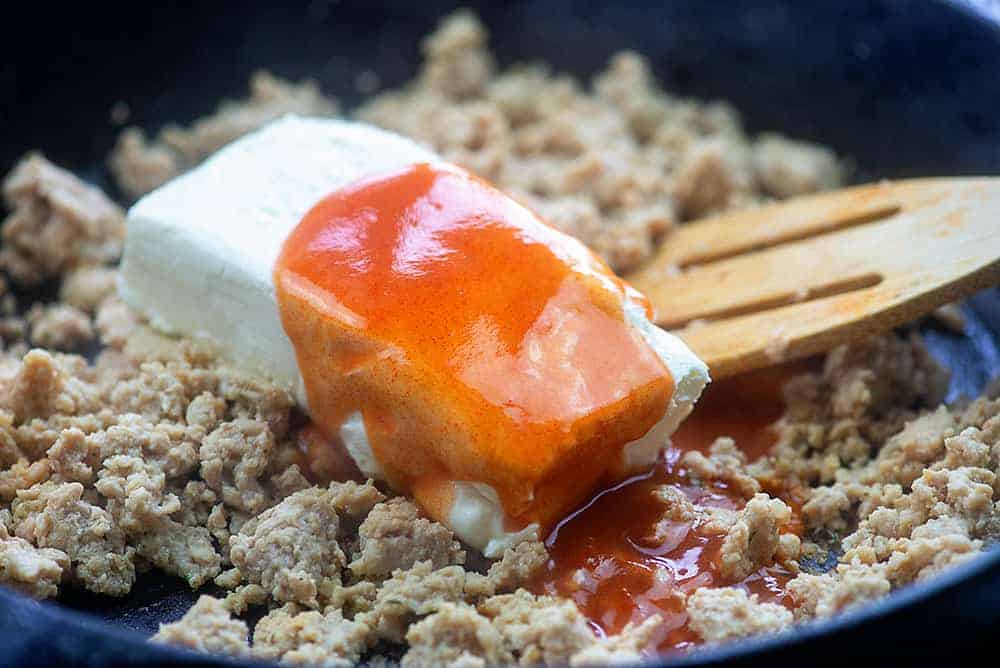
(904, 88)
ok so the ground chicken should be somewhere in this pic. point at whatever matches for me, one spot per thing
(615, 166)
(516, 566)
(55, 515)
(85, 288)
(34, 571)
(413, 593)
(59, 327)
(728, 612)
(207, 627)
(140, 166)
(310, 638)
(57, 223)
(539, 630)
(455, 635)
(394, 536)
(291, 550)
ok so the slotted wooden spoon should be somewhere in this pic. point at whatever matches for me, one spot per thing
(788, 280)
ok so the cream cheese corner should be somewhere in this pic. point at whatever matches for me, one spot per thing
(200, 250)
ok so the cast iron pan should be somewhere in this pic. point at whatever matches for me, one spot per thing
(903, 88)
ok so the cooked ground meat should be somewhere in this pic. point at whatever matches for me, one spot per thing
(615, 164)
(158, 452)
(140, 166)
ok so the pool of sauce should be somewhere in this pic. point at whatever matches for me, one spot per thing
(602, 556)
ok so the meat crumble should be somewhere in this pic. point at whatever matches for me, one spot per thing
(156, 452)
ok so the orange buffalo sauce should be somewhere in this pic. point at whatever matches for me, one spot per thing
(603, 556)
(478, 343)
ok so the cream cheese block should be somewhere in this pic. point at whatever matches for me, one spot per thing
(199, 260)
(200, 251)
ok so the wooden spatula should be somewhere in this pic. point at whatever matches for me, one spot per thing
(750, 289)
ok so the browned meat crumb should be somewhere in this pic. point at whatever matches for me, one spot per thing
(456, 60)
(352, 599)
(10, 453)
(539, 629)
(531, 630)
(752, 541)
(34, 571)
(234, 457)
(35, 389)
(136, 497)
(99, 460)
(827, 508)
(140, 166)
(184, 551)
(516, 566)
(728, 612)
(394, 537)
(158, 453)
(863, 396)
(55, 515)
(291, 550)
(59, 327)
(713, 174)
(162, 446)
(824, 595)
(242, 597)
(73, 457)
(677, 510)
(310, 638)
(677, 506)
(115, 322)
(207, 627)
(615, 165)
(22, 475)
(626, 648)
(57, 222)
(353, 502)
(455, 635)
(714, 520)
(85, 288)
(413, 593)
(919, 492)
(786, 168)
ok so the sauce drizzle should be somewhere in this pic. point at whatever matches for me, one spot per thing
(603, 558)
(477, 342)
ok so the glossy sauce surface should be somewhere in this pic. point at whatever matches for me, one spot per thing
(478, 342)
(604, 557)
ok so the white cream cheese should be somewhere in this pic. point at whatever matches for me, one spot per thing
(354, 436)
(477, 516)
(690, 376)
(199, 256)
(199, 251)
